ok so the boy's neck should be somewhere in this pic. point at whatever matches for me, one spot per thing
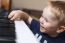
(53, 35)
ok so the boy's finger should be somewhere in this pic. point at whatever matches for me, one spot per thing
(11, 14)
(14, 17)
(18, 19)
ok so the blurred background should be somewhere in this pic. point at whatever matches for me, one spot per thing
(33, 7)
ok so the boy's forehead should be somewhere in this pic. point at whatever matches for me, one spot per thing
(47, 12)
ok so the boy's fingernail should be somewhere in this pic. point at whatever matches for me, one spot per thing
(11, 19)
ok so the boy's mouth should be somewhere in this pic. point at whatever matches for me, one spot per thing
(42, 29)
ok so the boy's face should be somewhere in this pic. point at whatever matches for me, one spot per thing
(48, 21)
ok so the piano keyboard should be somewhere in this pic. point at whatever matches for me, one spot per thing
(7, 30)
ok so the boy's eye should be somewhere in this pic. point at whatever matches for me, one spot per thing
(46, 20)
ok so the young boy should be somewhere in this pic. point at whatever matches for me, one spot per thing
(50, 28)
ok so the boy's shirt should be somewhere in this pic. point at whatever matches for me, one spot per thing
(44, 38)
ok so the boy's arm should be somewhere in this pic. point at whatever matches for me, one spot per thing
(19, 15)
(30, 20)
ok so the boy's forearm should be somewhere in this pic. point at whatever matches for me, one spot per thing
(30, 20)
(27, 18)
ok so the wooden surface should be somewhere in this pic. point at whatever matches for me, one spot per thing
(6, 4)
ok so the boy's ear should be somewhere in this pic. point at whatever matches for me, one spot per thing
(61, 29)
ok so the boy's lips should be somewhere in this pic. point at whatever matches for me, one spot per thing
(41, 26)
(42, 29)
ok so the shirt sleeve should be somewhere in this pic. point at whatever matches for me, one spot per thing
(35, 26)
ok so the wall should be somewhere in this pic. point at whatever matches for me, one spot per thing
(29, 4)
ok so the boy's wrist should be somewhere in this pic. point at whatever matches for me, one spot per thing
(26, 17)
(30, 20)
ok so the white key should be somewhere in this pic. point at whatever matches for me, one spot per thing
(23, 33)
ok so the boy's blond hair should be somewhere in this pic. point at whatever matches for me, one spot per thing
(58, 7)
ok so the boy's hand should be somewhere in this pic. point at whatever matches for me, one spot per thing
(18, 15)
